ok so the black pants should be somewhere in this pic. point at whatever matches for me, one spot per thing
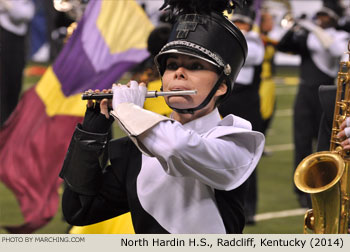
(12, 61)
(306, 123)
(327, 96)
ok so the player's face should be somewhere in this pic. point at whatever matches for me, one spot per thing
(323, 21)
(184, 72)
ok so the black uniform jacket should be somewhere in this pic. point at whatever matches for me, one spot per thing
(296, 43)
(93, 194)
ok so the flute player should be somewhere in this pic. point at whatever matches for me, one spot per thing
(184, 174)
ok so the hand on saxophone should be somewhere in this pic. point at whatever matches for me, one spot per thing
(344, 134)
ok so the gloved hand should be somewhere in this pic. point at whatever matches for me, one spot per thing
(135, 94)
(97, 119)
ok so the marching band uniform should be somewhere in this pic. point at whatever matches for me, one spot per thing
(172, 177)
(245, 99)
(267, 88)
(185, 158)
(15, 17)
(320, 50)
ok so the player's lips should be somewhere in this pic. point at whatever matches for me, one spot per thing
(178, 88)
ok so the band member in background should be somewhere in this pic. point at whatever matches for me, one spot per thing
(15, 17)
(245, 100)
(184, 174)
(267, 88)
(320, 46)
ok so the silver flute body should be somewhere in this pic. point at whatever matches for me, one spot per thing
(150, 94)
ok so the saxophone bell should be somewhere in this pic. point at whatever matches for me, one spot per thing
(319, 174)
(325, 175)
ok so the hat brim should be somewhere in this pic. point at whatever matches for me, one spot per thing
(241, 18)
(189, 51)
(159, 58)
(327, 11)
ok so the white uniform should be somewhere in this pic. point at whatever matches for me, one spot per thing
(187, 162)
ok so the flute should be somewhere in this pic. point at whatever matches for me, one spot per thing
(150, 94)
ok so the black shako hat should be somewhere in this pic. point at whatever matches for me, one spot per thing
(211, 37)
(245, 15)
(331, 8)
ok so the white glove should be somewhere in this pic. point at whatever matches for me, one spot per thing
(135, 94)
(347, 128)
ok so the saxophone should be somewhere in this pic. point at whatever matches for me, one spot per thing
(325, 175)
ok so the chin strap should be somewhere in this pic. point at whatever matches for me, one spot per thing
(206, 100)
